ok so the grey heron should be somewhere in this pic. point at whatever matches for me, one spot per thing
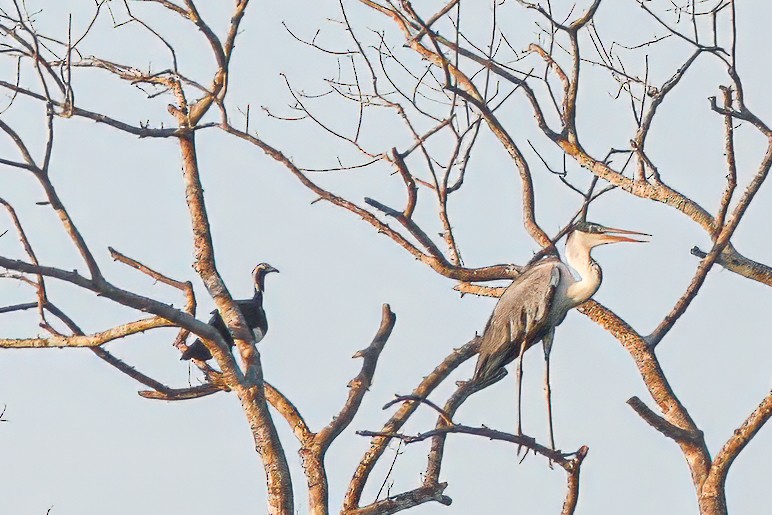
(537, 301)
(252, 311)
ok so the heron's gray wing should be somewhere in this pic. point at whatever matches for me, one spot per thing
(520, 316)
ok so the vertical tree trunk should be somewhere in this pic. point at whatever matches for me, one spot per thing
(318, 493)
(249, 388)
(713, 503)
(268, 446)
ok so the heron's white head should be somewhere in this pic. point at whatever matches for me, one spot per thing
(586, 235)
(259, 273)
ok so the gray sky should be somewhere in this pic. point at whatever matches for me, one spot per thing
(80, 439)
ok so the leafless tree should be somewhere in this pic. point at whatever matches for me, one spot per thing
(449, 84)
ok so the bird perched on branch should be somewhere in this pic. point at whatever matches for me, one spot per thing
(252, 311)
(537, 301)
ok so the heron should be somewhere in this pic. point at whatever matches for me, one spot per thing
(537, 302)
(252, 311)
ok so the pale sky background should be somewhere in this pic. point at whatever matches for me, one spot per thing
(78, 437)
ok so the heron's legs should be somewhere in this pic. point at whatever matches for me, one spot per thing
(547, 342)
(519, 371)
(548, 392)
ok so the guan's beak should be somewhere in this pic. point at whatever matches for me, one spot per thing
(614, 235)
(271, 269)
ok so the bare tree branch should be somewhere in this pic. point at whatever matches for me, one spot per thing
(93, 340)
(393, 425)
(712, 496)
(361, 383)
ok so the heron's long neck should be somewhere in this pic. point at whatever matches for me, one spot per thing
(589, 273)
(259, 285)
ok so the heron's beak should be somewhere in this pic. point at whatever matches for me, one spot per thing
(614, 236)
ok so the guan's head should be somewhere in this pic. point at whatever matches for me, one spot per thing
(259, 273)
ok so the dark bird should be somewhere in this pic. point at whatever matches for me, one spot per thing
(537, 301)
(252, 311)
